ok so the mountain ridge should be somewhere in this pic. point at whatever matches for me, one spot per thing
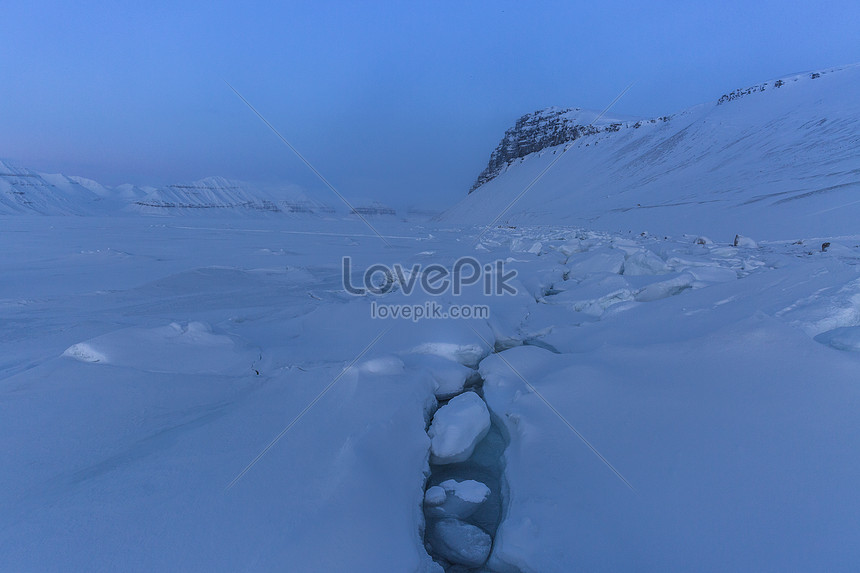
(549, 127)
(785, 155)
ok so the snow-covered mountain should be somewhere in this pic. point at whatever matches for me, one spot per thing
(218, 194)
(782, 157)
(23, 190)
(545, 128)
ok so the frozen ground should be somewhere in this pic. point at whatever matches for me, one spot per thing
(658, 403)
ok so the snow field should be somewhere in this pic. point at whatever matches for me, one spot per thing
(726, 397)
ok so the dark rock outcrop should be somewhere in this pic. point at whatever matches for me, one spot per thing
(539, 130)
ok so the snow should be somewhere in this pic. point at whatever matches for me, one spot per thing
(459, 542)
(181, 348)
(457, 428)
(843, 338)
(716, 398)
(457, 499)
(644, 262)
(435, 495)
(468, 490)
(450, 376)
(181, 393)
(778, 164)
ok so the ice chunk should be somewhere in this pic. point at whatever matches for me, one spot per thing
(602, 261)
(523, 245)
(594, 295)
(571, 247)
(460, 543)
(746, 242)
(644, 262)
(468, 490)
(435, 495)
(664, 289)
(457, 428)
(844, 338)
(453, 498)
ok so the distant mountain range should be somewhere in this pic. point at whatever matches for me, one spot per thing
(24, 191)
(782, 156)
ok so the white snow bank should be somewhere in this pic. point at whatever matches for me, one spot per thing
(457, 428)
(450, 376)
(182, 348)
(844, 338)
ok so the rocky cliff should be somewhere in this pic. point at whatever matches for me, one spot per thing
(545, 128)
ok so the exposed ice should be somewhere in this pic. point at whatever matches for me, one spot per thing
(460, 542)
(457, 428)
(644, 262)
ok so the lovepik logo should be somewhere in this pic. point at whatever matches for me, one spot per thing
(434, 279)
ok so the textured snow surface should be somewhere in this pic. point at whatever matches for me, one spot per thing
(188, 394)
(145, 366)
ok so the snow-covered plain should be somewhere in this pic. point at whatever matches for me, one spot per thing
(674, 384)
(147, 362)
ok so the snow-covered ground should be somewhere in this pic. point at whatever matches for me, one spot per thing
(657, 402)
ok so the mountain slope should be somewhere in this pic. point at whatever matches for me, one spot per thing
(23, 190)
(781, 157)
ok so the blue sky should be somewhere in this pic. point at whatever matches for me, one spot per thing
(387, 99)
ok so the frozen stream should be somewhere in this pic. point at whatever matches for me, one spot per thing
(464, 500)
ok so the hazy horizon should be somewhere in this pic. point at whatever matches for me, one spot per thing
(398, 103)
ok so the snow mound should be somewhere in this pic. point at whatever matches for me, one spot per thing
(460, 543)
(450, 376)
(85, 353)
(189, 348)
(457, 428)
(844, 338)
(745, 242)
(384, 366)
